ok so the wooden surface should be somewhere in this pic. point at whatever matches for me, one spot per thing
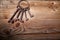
(45, 25)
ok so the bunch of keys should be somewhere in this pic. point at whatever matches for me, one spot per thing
(21, 10)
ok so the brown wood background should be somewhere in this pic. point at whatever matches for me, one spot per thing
(45, 25)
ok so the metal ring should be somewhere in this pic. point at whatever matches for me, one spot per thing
(28, 5)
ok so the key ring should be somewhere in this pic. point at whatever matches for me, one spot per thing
(23, 4)
(21, 10)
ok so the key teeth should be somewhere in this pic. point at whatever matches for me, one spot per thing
(27, 19)
(15, 21)
(32, 16)
(21, 21)
(8, 21)
(12, 22)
